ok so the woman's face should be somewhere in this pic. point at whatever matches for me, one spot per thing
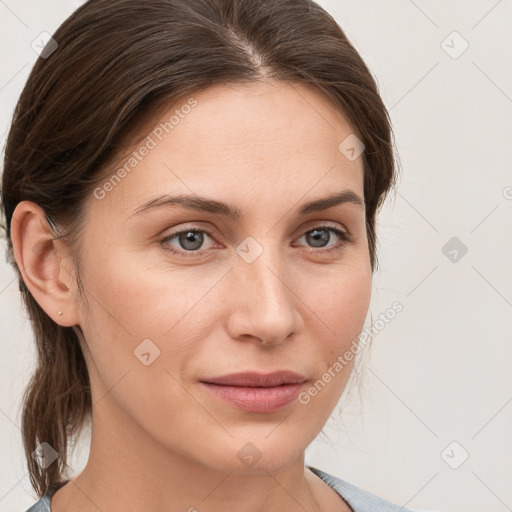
(183, 293)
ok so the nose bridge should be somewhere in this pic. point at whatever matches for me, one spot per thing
(263, 270)
(264, 301)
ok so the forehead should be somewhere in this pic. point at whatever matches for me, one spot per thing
(270, 137)
(262, 115)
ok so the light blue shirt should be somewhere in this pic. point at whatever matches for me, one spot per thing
(358, 499)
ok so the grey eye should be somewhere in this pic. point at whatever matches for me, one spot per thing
(190, 240)
(318, 237)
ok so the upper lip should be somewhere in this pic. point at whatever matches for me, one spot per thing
(255, 379)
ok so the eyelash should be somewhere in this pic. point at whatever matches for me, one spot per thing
(343, 235)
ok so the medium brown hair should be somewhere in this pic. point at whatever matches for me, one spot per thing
(116, 61)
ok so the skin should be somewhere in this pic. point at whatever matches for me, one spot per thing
(159, 440)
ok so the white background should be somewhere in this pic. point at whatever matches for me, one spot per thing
(441, 370)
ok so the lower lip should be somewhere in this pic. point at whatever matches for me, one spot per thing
(256, 399)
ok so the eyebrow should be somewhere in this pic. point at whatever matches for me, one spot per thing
(203, 204)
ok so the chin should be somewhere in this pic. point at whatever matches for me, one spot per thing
(255, 456)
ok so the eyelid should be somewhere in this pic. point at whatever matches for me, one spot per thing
(314, 224)
(341, 232)
(183, 254)
(319, 223)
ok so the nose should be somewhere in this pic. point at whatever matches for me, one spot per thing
(264, 306)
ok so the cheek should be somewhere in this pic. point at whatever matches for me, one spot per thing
(339, 302)
(127, 296)
(134, 327)
(336, 306)
(138, 315)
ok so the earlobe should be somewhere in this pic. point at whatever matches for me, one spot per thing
(42, 263)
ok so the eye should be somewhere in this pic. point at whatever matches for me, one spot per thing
(319, 237)
(191, 240)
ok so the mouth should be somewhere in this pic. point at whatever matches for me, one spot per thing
(256, 392)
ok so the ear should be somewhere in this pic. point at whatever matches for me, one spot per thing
(45, 264)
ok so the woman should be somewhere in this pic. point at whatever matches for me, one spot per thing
(190, 191)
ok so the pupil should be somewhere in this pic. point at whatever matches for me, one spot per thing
(319, 235)
(187, 240)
